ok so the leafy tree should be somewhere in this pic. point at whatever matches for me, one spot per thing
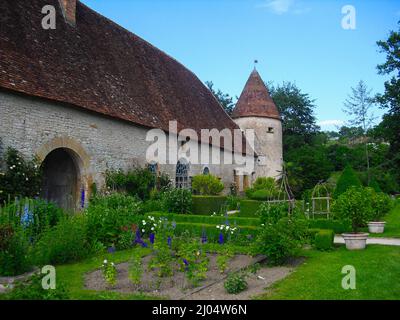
(375, 185)
(347, 180)
(359, 106)
(224, 99)
(308, 166)
(349, 134)
(390, 99)
(297, 111)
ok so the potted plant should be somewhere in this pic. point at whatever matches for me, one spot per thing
(354, 205)
(381, 205)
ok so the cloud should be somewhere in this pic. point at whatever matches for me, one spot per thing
(327, 123)
(280, 7)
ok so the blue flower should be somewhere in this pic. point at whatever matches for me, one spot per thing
(169, 241)
(173, 224)
(186, 263)
(152, 236)
(221, 238)
(27, 217)
(203, 236)
(111, 249)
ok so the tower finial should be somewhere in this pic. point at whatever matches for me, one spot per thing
(255, 64)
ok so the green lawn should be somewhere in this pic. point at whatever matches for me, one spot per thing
(392, 228)
(320, 277)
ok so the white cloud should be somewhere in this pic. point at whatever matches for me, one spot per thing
(327, 123)
(278, 6)
(284, 6)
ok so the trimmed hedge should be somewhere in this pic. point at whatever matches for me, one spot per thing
(337, 226)
(189, 218)
(207, 205)
(324, 240)
(248, 208)
(196, 230)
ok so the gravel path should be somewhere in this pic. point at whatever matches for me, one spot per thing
(382, 241)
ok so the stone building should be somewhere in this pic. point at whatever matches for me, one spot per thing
(83, 97)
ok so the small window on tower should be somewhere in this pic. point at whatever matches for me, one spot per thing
(270, 130)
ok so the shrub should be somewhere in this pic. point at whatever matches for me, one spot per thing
(66, 242)
(375, 185)
(14, 251)
(110, 219)
(137, 182)
(347, 180)
(282, 239)
(338, 226)
(235, 283)
(232, 202)
(274, 212)
(207, 185)
(248, 208)
(354, 205)
(177, 200)
(152, 205)
(217, 219)
(21, 178)
(324, 240)
(207, 205)
(263, 189)
(33, 290)
(36, 215)
(381, 204)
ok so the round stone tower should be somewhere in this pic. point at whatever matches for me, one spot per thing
(256, 110)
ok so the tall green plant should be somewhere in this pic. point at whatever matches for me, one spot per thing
(207, 185)
(355, 205)
(347, 180)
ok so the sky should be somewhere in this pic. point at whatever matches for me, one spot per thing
(301, 41)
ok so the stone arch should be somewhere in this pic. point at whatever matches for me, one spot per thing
(67, 158)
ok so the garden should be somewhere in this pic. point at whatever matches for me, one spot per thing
(140, 238)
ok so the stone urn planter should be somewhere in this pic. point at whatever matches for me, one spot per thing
(355, 241)
(376, 227)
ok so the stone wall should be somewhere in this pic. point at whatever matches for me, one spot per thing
(36, 126)
(268, 144)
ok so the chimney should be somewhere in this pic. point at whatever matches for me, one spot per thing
(68, 8)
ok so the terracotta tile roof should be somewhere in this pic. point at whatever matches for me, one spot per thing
(255, 100)
(99, 66)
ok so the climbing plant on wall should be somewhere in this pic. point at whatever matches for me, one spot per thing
(19, 177)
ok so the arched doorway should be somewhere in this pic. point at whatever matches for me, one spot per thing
(61, 178)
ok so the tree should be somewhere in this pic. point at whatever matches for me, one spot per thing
(308, 165)
(359, 106)
(390, 99)
(347, 180)
(297, 112)
(224, 99)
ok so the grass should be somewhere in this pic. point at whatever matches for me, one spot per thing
(72, 276)
(319, 278)
(392, 228)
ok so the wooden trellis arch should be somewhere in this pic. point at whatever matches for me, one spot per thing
(321, 200)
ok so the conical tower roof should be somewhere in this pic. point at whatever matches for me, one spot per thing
(255, 100)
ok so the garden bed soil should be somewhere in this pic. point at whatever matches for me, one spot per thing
(177, 287)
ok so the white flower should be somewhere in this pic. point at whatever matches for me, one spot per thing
(144, 223)
(105, 261)
(143, 230)
(112, 264)
(152, 228)
(217, 227)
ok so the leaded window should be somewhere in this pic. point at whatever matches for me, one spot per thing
(182, 175)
